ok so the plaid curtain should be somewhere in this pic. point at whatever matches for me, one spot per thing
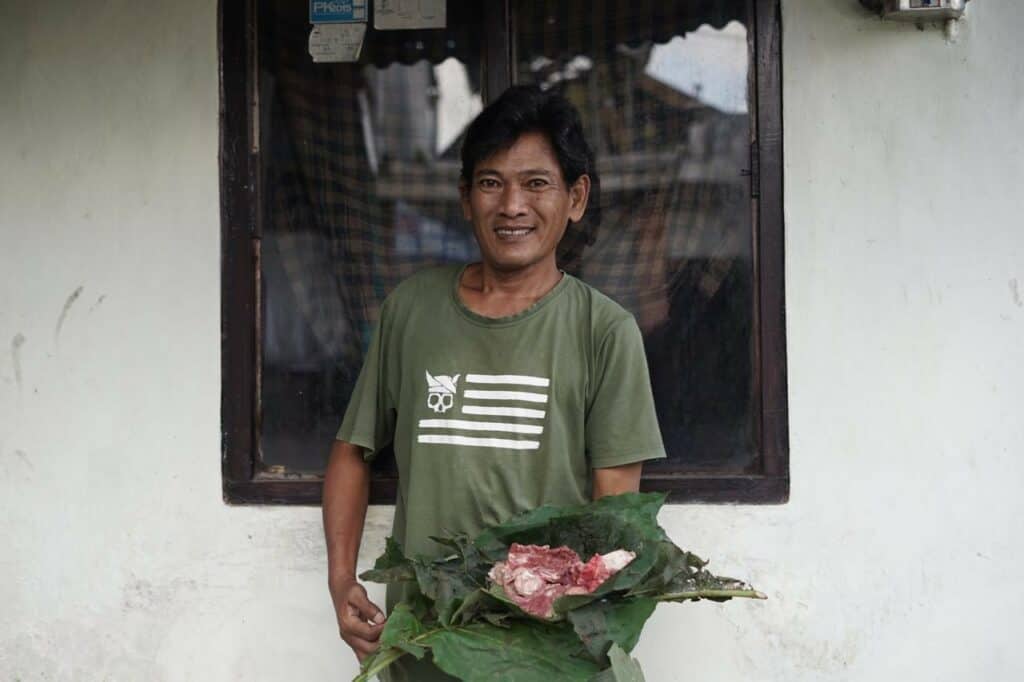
(350, 214)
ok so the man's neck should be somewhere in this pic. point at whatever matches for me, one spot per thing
(496, 293)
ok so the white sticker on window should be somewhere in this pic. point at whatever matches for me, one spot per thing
(405, 14)
(336, 42)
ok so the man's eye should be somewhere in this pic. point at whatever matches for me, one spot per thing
(537, 183)
(488, 183)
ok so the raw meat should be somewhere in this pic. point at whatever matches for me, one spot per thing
(534, 576)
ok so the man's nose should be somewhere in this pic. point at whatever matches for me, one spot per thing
(513, 201)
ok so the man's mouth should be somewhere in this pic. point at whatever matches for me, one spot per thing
(513, 232)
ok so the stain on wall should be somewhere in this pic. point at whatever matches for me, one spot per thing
(98, 303)
(1015, 293)
(23, 456)
(64, 312)
(16, 343)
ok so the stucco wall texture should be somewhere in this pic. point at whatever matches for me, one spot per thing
(895, 558)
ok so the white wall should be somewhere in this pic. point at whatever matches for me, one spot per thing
(894, 559)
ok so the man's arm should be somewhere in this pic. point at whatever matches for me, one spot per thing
(346, 494)
(615, 480)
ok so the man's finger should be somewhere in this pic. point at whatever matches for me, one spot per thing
(361, 647)
(367, 609)
(355, 626)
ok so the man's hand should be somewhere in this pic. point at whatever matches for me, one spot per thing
(359, 620)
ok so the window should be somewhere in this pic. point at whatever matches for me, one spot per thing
(340, 180)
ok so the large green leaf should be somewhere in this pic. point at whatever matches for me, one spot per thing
(613, 522)
(627, 521)
(493, 542)
(521, 652)
(447, 584)
(623, 668)
(391, 567)
(481, 604)
(395, 641)
(476, 633)
(678, 575)
(376, 662)
(402, 625)
(605, 623)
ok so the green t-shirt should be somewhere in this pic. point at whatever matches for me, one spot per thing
(492, 417)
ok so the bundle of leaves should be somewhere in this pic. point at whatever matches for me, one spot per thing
(475, 632)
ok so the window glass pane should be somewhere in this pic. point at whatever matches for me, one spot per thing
(662, 89)
(358, 187)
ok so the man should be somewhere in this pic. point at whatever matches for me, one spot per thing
(503, 385)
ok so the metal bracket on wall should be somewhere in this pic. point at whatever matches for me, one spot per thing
(921, 12)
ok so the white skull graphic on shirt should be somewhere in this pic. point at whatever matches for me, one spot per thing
(441, 390)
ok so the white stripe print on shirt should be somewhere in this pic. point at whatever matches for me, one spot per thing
(491, 397)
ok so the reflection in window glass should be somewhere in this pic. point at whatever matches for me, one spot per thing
(359, 190)
(663, 97)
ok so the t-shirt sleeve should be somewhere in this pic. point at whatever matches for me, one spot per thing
(621, 423)
(369, 420)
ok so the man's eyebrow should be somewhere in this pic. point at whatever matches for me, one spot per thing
(528, 171)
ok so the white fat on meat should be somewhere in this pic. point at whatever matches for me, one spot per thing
(618, 560)
(527, 583)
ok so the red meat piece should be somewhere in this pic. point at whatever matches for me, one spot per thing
(591, 574)
(534, 576)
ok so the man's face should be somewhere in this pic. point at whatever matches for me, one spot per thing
(520, 205)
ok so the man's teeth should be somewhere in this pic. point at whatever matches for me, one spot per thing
(513, 232)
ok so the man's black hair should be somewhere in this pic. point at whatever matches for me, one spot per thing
(528, 109)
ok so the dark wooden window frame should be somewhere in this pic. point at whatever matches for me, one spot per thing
(243, 483)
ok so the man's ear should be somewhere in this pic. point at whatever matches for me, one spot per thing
(464, 200)
(578, 195)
